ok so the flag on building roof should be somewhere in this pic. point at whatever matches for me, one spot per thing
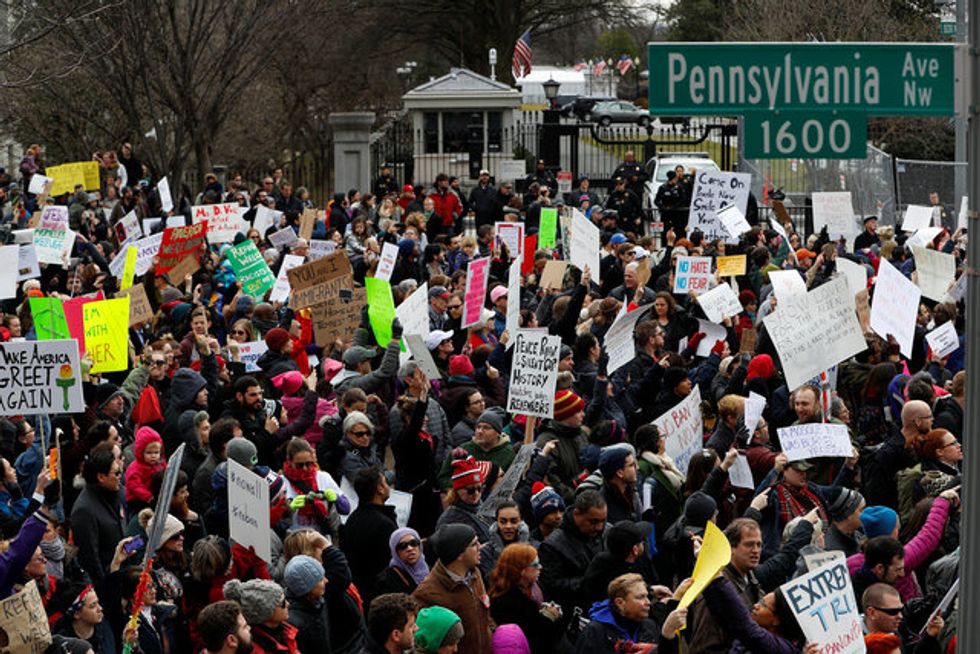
(624, 64)
(521, 63)
(599, 68)
(581, 65)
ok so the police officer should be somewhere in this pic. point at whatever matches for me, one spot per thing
(544, 177)
(627, 204)
(633, 173)
(385, 183)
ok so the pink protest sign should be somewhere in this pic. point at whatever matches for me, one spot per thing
(476, 290)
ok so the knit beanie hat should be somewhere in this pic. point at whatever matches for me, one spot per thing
(465, 472)
(545, 500)
(437, 627)
(612, 459)
(762, 366)
(104, 393)
(460, 365)
(699, 509)
(492, 417)
(171, 527)
(842, 502)
(452, 540)
(288, 382)
(878, 521)
(258, 598)
(242, 451)
(302, 573)
(276, 338)
(567, 404)
(747, 297)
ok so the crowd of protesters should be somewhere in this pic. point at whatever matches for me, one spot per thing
(597, 538)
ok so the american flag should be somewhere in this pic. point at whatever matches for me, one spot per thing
(599, 68)
(624, 64)
(521, 63)
(581, 65)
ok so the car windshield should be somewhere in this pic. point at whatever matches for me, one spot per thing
(701, 164)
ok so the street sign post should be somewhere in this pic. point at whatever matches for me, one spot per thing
(802, 135)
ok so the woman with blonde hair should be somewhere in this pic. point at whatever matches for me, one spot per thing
(516, 598)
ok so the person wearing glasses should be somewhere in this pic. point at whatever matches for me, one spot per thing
(883, 611)
(516, 598)
(407, 567)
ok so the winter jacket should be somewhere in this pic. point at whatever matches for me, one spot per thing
(565, 557)
(461, 513)
(610, 633)
(20, 551)
(138, 473)
(375, 380)
(514, 607)
(294, 408)
(467, 598)
(502, 454)
(312, 624)
(184, 388)
(490, 551)
(97, 526)
(731, 613)
(281, 640)
(365, 542)
(347, 628)
(565, 465)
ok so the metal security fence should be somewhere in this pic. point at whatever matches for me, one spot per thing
(915, 180)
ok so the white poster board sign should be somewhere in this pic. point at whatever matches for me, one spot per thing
(511, 235)
(27, 263)
(712, 334)
(224, 220)
(513, 300)
(248, 510)
(585, 244)
(720, 302)
(692, 274)
(250, 353)
(413, 313)
(963, 213)
(320, 249)
(509, 170)
(825, 608)
(148, 248)
(935, 271)
(683, 428)
(814, 440)
(533, 374)
(714, 190)
(835, 210)
(895, 306)
(166, 199)
(820, 559)
(386, 265)
(917, 217)
(40, 377)
(740, 474)
(943, 340)
(755, 404)
(422, 355)
(280, 291)
(8, 273)
(733, 222)
(264, 219)
(619, 339)
(855, 273)
(283, 238)
(786, 284)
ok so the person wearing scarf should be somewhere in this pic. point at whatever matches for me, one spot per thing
(305, 482)
(795, 498)
(407, 567)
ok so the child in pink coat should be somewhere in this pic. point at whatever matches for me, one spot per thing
(148, 449)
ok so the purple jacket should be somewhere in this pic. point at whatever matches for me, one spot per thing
(18, 555)
(729, 610)
(917, 550)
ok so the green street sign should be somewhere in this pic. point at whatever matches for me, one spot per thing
(805, 135)
(883, 79)
(947, 28)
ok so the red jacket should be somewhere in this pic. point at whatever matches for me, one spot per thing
(447, 207)
(264, 643)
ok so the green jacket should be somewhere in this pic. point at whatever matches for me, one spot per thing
(502, 454)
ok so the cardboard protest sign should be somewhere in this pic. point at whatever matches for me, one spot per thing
(339, 315)
(513, 300)
(223, 220)
(808, 346)
(186, 266)
(8, 273)
(548, 227)
(715, 554)
(814, 439)
(280, 291)
(307, 221)
(166, 200)
(74, 317)
(250, 352)
(714, 190)
(250, 268)
(683, 428)
(40, 377)
(28, 266)
(386, 264)
(935, 271)
(413, 314)
(719, 302)
(24, 622)
(477, 276)
(733, 222)
(619, 339)
(823, 602)
(381, 309)
(731, 266)
(786, 284)
(140, 310)
(585, 244)
(49, 319)
(178, 242)
(248, 510)
(553, 274)
(67, 176)
(746, 343)
(835, 210)
(283, 238)
(511, 235)
(692, 274)
(107, 334)
(895, 306)
(534, 374)
(319, 281)
(916, 218)
(943, 340)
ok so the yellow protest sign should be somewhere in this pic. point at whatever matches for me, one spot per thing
(129, 268)
(67, 176)
(107, 334)
(731, 266)
(715, 554)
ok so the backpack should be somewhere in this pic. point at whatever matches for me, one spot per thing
(907, 480)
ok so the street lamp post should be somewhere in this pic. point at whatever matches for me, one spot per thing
(549, 142)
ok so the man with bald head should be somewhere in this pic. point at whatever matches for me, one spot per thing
(895, 453)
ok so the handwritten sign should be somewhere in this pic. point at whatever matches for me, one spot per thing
(943, 340)
(731, 266)
(719, 302)
(814, 439)
(53, 240)
(534, 374)
(140, 310)
(264, 219)
(835, 210)
(248, 510)
(895, 306)
(320, 249)
(147, 248)
(283, 238)
(24, 622)
(420, 352)
(820, 559)
(40, 377)
(477, 276)
(935, 271)
(683, 429)
(740, 474)
(386, 264)
(549, 225)
(74, 317)
(713, 191)
(250, 353)
(755, 404)
(511, 235)
(223, 220)
(339, 315)
(413, 314)
(317, 282)
(251, 269)
(825, 608)
(553, 274)
(857, 276)
(786, 284)
(129, 267)
(692, 274)
(50, 323)
(107, 334)
(177, 243)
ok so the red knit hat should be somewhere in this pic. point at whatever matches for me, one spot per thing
(461, 365)
(567, 404)
(762, 366)
(466, 472)
(276, 338)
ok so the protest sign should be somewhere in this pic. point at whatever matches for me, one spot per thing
(280, 290)
(786, 284)
(283, 238)
(166, 200)
(916, 218)
(420, 352)
(513, 300)
(553, 274)
(381, 309)
(339, 314)
(719, 302)
(779, 229)
(477, 276)
(856, 275)
(40, 377)
(37, 184)
(814, 440)
(943, 340)
(79, 173)
(511, 235)
(319, 281)
(740, 474)
(823, 602)
(585, 244)
(128, 227)
(129, 267)
(178, 242)
(307, 221)
(223, 220)
(533, 374)
(28, 266)
(186, 266)
(250, 268)
(834, 210)
(944, 603)
(53, 240)
(548, 227)
(746, 343)
(692, 274)
(714, 190)
(250, 352)
(9, 273)
(147, 248)
(511, 170)
(923, 236)
(755, 404)
(320, 249)
(715, 554)
(733, 222)
(24, 622)
(731, 266)
(413, 314)
(895, 306)
(958, 291)
(935, 271)
(386, 264)
(107, 334)
(807, 346)
(682, 427)
(619, 339)
(399, 500)
(248, 510)
(140, 310)
(712, 334)
(74, 317)
(49, 319)
(820, 559)
(264, 219)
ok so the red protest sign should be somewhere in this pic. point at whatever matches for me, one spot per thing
(178, 242)
(530, 247)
